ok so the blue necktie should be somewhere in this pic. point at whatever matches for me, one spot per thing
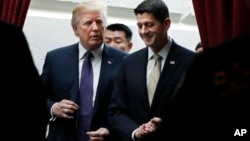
(86, 98)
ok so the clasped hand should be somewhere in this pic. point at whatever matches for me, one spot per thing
(147, 128)
(64, 109)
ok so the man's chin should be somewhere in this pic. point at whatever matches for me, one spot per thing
(95, 45)
(147, 42)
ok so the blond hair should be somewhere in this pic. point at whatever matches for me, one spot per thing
(89, 6)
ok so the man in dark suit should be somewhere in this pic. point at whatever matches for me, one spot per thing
(61, 76)
(23, 101)
(214, 100)
(132, 115)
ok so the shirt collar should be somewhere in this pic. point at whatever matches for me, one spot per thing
(96, 53)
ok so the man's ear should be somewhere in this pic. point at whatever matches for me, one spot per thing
(75, 30)
(130, 45)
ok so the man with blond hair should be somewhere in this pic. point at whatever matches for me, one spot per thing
(77, 101)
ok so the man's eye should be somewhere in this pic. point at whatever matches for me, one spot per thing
(149, 24)
(139, 25)
(87, 23)
(118, 42)
(107, 41)
(99, 22)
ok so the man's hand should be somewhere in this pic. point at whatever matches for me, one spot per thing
(64, 109)
(98, 135)
(147, 128)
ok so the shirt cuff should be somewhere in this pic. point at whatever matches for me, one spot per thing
(133, 135)
(53, 118)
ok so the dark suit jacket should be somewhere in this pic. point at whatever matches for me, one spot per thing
(129, 106)
(23, 101)
(61, 79)
(214, 100)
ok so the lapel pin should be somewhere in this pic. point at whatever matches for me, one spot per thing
(172, 62)
(109, 62)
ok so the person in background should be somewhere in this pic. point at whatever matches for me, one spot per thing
(214, 100)
(198, 48)
(24, 117)
(119, 36)
(134, 112)
(62, 78)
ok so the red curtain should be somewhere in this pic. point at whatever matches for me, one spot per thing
(14, 11)
(221, 20)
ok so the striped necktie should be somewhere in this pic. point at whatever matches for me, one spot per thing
(154, 77)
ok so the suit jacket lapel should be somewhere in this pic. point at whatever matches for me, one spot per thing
(171, 63)
(142, 75)
(74, 71)
(139, 72)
